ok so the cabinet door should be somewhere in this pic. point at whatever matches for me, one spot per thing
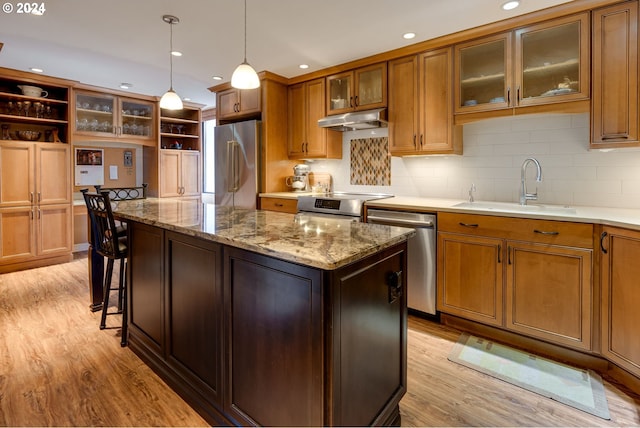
(54, 229)
(191, 174)
(96, 114)
(250, 101)
(137, 119)
(228, 103)
(614, 104)
(548, 293)
(470, 276)
(316, 137)
(17, 174)
(437, 132)
(340, 98)
(483, 74)
(169, 173)
(371, 87)
(296, 120)
(552, 61)
(621, 298)
(17, 234)
(403, 105)
(53, 173)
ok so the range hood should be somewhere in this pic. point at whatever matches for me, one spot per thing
(366, 119)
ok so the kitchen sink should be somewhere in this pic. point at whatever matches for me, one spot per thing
(517, 208)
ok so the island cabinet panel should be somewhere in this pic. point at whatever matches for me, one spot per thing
(370, 321)
(194, 321)
(249, 339)
(275, 341)
(146, 292)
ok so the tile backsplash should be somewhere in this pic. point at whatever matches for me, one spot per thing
(370, 161)
(494, 150)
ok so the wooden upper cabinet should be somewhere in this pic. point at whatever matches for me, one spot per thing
(420, 105)
(540, 64)
(361, 89)
(614, 104)
(306, 140)
(235, 103)
(104, 117)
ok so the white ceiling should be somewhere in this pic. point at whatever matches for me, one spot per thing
(105, 42)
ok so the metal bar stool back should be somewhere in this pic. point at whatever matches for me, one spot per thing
(109, 243)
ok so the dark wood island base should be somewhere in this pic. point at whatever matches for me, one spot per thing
(250, 339)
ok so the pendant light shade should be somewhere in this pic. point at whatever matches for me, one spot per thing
(170, 100)
(244, 76)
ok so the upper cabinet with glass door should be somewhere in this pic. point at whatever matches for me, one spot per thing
(361, 89)
(105, 116)
(540, 64)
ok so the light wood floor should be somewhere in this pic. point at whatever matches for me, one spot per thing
(58, 369)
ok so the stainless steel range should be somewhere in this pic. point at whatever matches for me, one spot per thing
(343, 204)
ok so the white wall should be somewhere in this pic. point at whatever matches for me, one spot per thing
(493, 154)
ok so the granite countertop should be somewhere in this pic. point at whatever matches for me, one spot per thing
(319, 242)
(621, 217)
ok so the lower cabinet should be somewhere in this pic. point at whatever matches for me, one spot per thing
(621, 297)
(247, 339)
(532, 277)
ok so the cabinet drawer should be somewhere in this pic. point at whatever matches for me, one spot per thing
(532, 230)
(284, 205)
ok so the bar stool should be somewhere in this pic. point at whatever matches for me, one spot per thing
(108, 243)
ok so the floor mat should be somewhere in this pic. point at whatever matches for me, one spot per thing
(575, 387)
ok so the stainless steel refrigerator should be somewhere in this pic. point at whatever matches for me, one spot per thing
(237, 164)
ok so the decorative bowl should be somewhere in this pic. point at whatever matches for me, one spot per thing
(28, 135)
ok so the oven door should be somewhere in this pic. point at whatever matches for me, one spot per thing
(308, 215)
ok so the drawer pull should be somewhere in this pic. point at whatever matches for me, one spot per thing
(542, 232)
(279, 205)
(604, 235)
(468, 224)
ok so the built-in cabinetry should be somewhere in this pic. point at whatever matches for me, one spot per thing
(181, 129)
(306, 140)
(361, 89)
(180, 173)
(534, 65)
(107, 116)
(615, 97)
(420, 106)
(248, 339)
(35, 204)
(528, 276)
(235, 103)
(35, 171)
(620, 252)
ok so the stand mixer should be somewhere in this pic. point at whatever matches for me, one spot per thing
(299, 182)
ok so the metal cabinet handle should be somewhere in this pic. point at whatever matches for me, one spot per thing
(39, 197)
(351, 102)
(602, 237)
(518, 96)
(499, 253)
(542, 232)
(278, 205)
(509, 254)
(468, 224)
(421, 140)
(414, 141)
(31, 197)
(356, 100)
(508, 95)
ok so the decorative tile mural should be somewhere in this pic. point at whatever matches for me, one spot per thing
(370, 162)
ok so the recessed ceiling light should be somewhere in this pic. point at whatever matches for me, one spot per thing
(408, 36)
(176, 53)
(187, 99)
(36, 70)
(217, 77)
(303, 66)
(510, 5)
(125, 85)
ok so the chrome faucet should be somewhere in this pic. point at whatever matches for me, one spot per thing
(471, 190)
(524, 196)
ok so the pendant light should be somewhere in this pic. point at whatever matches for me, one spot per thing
(170, 100)
(245, 77)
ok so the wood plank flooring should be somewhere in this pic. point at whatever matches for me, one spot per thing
(58, 369)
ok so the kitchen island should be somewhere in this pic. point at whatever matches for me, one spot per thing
(266, 318)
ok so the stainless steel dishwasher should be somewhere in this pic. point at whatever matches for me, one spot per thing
(421, 263)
